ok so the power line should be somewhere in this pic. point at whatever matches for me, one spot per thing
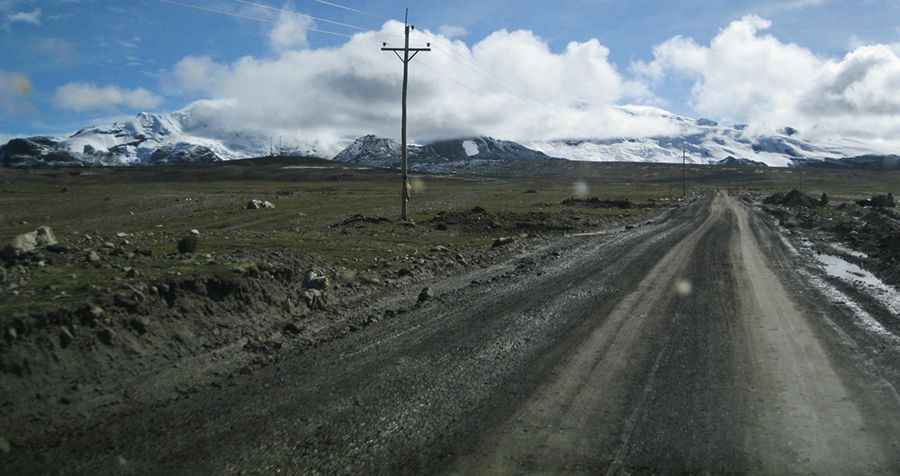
(245, 17)
(349, 9)
(283, 10)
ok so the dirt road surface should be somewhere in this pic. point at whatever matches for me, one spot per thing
(691, 345)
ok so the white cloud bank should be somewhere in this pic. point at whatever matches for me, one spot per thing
(290, 31)
(33, 17)
(81, 97)
(509, 85)
(748, 76)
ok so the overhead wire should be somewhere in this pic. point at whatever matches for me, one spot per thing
(247, 17)
(344, 7)
(284, 10)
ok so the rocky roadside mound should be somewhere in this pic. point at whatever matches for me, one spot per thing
(870, 226)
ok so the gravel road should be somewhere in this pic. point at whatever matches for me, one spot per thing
(690, 345)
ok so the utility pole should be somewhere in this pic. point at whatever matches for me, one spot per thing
(406, 58)
(683, 172)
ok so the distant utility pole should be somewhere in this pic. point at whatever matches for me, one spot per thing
(406, 58)
(683, 172)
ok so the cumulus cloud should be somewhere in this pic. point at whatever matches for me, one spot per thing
(83, 97)
(33, 17)
(746, 75)
(453, 31)
(193, 74)
(290, 31)
(15, 92)
(510, 85)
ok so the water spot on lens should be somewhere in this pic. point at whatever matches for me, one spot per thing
(417, 185)
(684, 287)
(581, 189)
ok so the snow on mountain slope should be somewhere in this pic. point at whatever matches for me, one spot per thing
(707, 142)
(470, 147)
(181, 136)
(445, 155)
(194, 135)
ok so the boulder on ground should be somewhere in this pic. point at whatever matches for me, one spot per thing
(259, 204)
(106, 335)
(30, 242)
(65, 336)
(503, 241)
(315, 299)
(426, 295)
(315, 280)
(879, 201)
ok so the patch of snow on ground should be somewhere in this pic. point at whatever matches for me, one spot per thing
(866, 321)
(471, 148)
(788, 245)
(847, 251)
(870, 284)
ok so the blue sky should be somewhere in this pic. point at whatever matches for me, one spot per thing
(131, 44)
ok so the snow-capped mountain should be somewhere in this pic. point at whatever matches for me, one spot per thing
(707, 142)
(148, 138)
(192, 136)
(454, 154)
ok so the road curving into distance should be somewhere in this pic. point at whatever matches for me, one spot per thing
(687, 346)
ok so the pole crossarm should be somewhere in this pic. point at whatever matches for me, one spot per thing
(405, 49)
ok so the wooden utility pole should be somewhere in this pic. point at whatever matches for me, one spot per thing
(406, 58)
(683, 172)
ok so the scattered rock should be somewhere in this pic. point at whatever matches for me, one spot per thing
(92, 313)
(503, 241)
(439, 249)
(315, 280)
(28, 243)
(139, 324)
(188, 244)
(369, 280)
(109, 245)
(879, 201)
(292, 328)
(361, 219)
(93, 257)
(132, 273)
(65, 337)
(315, 299)
(106, 335)
(259, 204)
(426, 295)
(793, 199)
(195, 232)
(58, 249)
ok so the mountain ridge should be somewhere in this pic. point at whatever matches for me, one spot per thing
(186, 137)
